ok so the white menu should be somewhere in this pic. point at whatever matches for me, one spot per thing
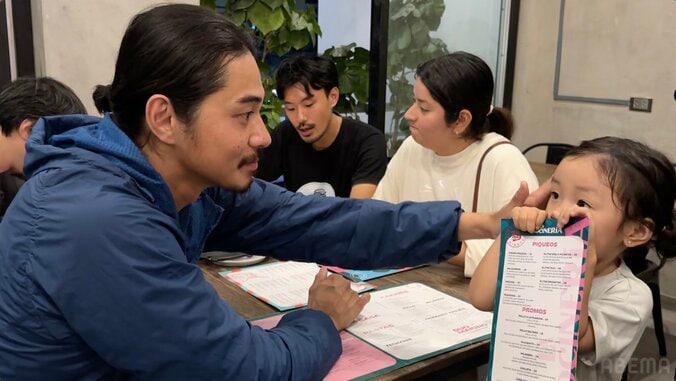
(283, 285)
(537, 310)
(414, 320)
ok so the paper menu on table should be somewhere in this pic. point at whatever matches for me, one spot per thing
(283, 285)
(538, 300)
(414, 320)
(358, 358)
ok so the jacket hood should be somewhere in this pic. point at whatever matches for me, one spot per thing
(72, 140)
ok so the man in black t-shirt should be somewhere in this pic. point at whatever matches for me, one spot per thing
(316, 150)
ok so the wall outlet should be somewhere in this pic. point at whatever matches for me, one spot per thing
(641, 104)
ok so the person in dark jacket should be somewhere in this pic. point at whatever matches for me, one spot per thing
(22, 102)
(97, 253)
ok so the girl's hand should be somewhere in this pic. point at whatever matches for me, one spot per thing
(528, 218)
(563, 216)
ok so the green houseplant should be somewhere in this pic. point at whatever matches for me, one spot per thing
(352, 63)
(409, 45)
(279, 27)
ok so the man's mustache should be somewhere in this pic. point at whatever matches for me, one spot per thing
(250, 159)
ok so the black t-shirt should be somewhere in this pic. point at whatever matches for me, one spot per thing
(357, 156)
(9, 186)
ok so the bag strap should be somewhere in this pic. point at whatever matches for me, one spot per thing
(478, 174)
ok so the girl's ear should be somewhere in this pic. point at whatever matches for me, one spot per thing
(462, 123)
(637, 233)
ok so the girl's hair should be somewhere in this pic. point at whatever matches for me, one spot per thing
(643, 183)
(461, 80)
(178, 50)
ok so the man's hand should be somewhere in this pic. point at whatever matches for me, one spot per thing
(506, 211)
(540, 196)
(332, 295)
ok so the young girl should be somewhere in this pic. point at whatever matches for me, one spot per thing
(458, 148)
(627, 190)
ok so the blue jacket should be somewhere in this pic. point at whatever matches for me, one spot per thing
(98, 277)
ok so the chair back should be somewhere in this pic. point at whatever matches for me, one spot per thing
(645, 269)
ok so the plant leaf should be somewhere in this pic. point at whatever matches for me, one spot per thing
(273, 3)
(240, 4)
(299, 39)
(237, 17)
(264, 18)
(404, 39)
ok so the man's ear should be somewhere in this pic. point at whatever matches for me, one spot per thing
(637, 233)
(333, 96)
(462, 123)
(161, 119)
(25, 129)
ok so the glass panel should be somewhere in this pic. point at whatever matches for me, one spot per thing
(423, 29)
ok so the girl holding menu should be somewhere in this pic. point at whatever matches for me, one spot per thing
(627, 190)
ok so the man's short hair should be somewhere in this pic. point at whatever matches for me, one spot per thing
(33, 98)
(318, 73)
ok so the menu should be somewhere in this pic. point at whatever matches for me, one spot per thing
(402, 325)
(283, 285)
(538, 300)
(414, 321)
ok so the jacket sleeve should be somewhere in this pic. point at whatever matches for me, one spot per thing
(120, 279)
(359, 234)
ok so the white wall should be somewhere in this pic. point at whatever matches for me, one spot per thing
(645, 70)
(539, 118)
(76, 41)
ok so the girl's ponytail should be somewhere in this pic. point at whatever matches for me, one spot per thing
(501, 122)
(665, 240)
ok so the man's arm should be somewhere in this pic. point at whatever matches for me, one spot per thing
(371, 165)
(361, 234)
(362, 190)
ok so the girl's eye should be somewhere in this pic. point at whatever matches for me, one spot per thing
(582, 204)
(554, 196)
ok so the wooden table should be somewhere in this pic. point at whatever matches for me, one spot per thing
(542, 171)
(443, 277)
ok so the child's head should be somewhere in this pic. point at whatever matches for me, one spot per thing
(630, 190)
